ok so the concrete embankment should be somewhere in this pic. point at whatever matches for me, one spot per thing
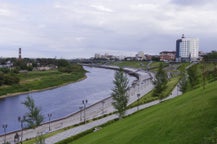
(129, 71)
(139, 88)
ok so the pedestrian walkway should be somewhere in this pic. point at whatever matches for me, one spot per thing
(79, 129)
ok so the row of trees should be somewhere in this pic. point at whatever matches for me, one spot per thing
(197, 75)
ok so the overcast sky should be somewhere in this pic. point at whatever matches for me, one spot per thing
(81, 28)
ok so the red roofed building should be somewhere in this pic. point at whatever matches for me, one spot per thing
(167, 56)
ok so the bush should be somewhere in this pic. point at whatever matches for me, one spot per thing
(10, 80)
(1, 79)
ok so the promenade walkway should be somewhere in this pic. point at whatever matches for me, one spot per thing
(97, 123)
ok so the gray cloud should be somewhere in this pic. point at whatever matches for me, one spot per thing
(81, 28)
(192, 2)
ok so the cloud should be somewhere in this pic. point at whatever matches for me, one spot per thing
(4, 12)
(193, 2)
(101, 8)
(81, 28)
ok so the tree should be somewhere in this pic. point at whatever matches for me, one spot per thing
(119, 94)
(1, 78)
(40, 139)
(212, 56)
(215, 72)
(193, 75)
(160, 82)
(33, 117)
(183, 83)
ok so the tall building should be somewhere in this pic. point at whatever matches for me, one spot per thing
(187, 49)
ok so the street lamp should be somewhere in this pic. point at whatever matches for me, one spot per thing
(177, 90)
(80, 108)
(21, 120)
(138, 95)
(84, 103)
(49, 117)
(103, 103)
(4, 126)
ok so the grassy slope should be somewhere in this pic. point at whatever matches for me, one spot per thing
(184, 120)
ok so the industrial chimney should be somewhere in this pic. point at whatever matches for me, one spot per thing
(20, 55)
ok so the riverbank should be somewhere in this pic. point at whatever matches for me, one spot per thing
(41, 90)
(41, 81)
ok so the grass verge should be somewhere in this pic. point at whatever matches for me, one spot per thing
(187, 119)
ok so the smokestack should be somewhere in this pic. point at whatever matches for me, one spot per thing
(20, 55)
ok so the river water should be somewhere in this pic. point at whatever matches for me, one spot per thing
(62, 101)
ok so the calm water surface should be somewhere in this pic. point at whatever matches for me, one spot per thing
(61, 101)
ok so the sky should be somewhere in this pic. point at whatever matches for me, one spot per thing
(81, 28)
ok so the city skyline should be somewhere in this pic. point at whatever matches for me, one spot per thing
(79, 29)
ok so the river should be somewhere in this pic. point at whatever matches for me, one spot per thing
(62, 101)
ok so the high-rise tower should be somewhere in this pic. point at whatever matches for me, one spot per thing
(187, 49)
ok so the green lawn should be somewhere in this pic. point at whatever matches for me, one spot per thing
(187, 119)
(37, 80)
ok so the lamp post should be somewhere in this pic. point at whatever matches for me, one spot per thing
(103, 103)
(138, 95)
(177, 90)
(49, 117)
(4, 126)
(80, 108)
(21, 120)
(84, 103)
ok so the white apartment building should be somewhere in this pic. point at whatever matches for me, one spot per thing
(187, 49)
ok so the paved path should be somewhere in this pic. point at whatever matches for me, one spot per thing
(82, 128)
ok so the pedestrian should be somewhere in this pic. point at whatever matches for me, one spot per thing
(16, 138)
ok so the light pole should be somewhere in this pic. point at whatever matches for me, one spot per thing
(103, 103)
(177, 90)
(84, 103)
(21, 120)
(49, 117)
(4, 126)
(80, 108)
(138, 95)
